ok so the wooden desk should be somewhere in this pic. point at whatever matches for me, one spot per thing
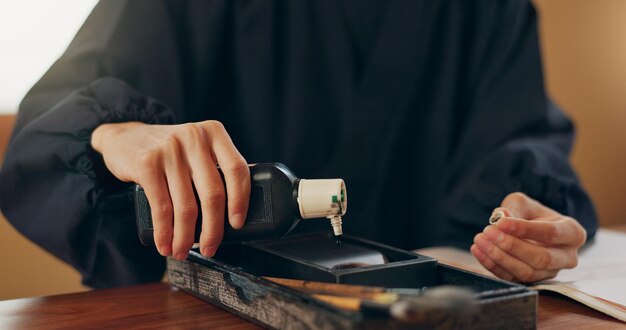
(159, 306)
(152, 306)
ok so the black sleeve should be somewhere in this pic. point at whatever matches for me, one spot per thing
(54, 187)
(512, 137)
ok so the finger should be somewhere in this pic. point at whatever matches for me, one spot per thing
(566, 231)
(490, 265)
(213, 201)
(183, 201)
(537, 257)
(522, 206)
(236, 174)
(209, 187)
(155, 186)
(520, 270)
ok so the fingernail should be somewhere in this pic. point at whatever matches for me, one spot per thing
(495, 217)
(237, 220)
(483, 244)
(476, 237)
(507, 226)
(165, 250)
(493, 233)
(476, 252)
(180, 255)
(209, 251)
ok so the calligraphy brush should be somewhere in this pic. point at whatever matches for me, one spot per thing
(409, 305)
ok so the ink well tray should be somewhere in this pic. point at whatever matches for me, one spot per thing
(234, 280)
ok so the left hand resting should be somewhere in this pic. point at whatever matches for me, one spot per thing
(530, 243)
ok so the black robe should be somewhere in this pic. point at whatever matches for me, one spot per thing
(432, 112)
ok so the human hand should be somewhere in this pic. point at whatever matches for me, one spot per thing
(530, 242)
(169, 161)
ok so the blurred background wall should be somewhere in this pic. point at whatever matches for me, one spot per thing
(33, 34)
(584, 50)
(584, 54)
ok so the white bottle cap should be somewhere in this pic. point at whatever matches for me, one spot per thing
(323, 198)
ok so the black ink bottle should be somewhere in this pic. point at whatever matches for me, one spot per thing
(278, 201)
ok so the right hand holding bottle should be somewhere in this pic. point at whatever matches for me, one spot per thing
(169, 161)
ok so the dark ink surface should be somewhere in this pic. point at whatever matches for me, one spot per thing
(350, 265)
(329, 254)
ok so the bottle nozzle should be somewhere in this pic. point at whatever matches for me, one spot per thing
(335, 221)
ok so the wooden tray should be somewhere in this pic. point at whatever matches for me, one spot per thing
(232, 280)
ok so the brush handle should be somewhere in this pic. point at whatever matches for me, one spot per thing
(375, 293)
(364, 306)
(346, 289)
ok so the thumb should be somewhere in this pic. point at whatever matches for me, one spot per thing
(524, 207)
